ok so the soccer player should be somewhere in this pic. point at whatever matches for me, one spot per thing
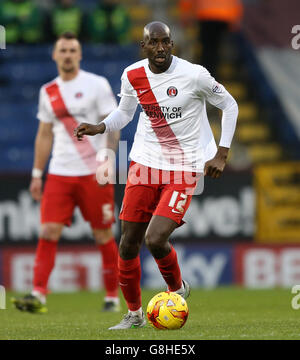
(173, 136)
(74, 96)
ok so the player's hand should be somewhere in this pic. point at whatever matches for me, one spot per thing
(88, 129)
(36, 188)
(215, 166)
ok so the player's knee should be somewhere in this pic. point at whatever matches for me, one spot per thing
(102, 236)
(131, 239)
(129, 247)
(155, 239)
(51, 232)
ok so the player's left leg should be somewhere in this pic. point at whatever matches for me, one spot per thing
(173, 204)
(157, 241)
(97, 207)
(109, 250)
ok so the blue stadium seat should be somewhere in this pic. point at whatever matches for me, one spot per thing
(18, 109)
(42, 52)
(39, 72)
(25, 53)
(19, 123)
(16, 159)
(107, 68)
(110, 52)
(16, 93)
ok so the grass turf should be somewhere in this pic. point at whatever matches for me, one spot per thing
(218, 314)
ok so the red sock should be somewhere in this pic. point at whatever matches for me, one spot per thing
(109, 253)
(43, 265)
(130, 277)
(169, 268)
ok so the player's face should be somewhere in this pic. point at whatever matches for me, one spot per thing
(67, 55)
(158, 49)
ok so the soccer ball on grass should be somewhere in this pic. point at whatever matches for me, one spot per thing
(167, 311)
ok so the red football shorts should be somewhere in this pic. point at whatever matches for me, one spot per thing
(63, 193)
(156, 192)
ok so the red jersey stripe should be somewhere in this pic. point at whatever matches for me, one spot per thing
(166, 137)
(84, 147)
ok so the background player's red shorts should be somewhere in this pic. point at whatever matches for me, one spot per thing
(63, 193)
(142, 200)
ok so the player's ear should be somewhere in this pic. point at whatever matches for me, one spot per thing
(142, 43)
(53, 52)
(80, 51)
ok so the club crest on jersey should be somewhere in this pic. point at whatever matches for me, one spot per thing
(172, 91)
(79, 95)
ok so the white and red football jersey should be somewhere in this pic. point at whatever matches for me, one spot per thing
(86, 98)
(173, 131)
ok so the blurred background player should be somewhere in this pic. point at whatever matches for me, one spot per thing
(214, 19)
(74, 96)
(23, 21)
(109, 22)
(65, 16)
(182, 142)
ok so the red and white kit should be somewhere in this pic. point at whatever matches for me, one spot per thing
(65, 104)
(173, 132)
(71, 180)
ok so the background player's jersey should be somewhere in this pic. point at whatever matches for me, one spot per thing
(173, 131)
(86, 98)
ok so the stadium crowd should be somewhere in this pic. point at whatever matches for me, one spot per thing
(32, 22)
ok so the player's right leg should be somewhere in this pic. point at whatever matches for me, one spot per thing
(35, 301)
(56, 211)
(130, 274)
(140, 199)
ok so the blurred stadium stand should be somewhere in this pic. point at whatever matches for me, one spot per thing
(25, 68)
(273, 67)
(261, 70)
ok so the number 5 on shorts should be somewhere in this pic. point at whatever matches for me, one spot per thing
(180, 204)
(107, 213)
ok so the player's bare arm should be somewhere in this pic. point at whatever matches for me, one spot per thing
(215, 166)
(88, 129)
(113, 140)
(114, 122)
(108, 165)
(42, 150)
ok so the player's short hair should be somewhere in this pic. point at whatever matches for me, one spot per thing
(67, 35)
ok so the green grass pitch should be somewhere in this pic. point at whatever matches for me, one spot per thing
(218, 314)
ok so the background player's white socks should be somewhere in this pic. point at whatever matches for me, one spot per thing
(39, 296)
(115, 300)
(138, 312)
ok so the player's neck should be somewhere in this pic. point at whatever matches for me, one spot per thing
(68, 76)
(159, 70)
